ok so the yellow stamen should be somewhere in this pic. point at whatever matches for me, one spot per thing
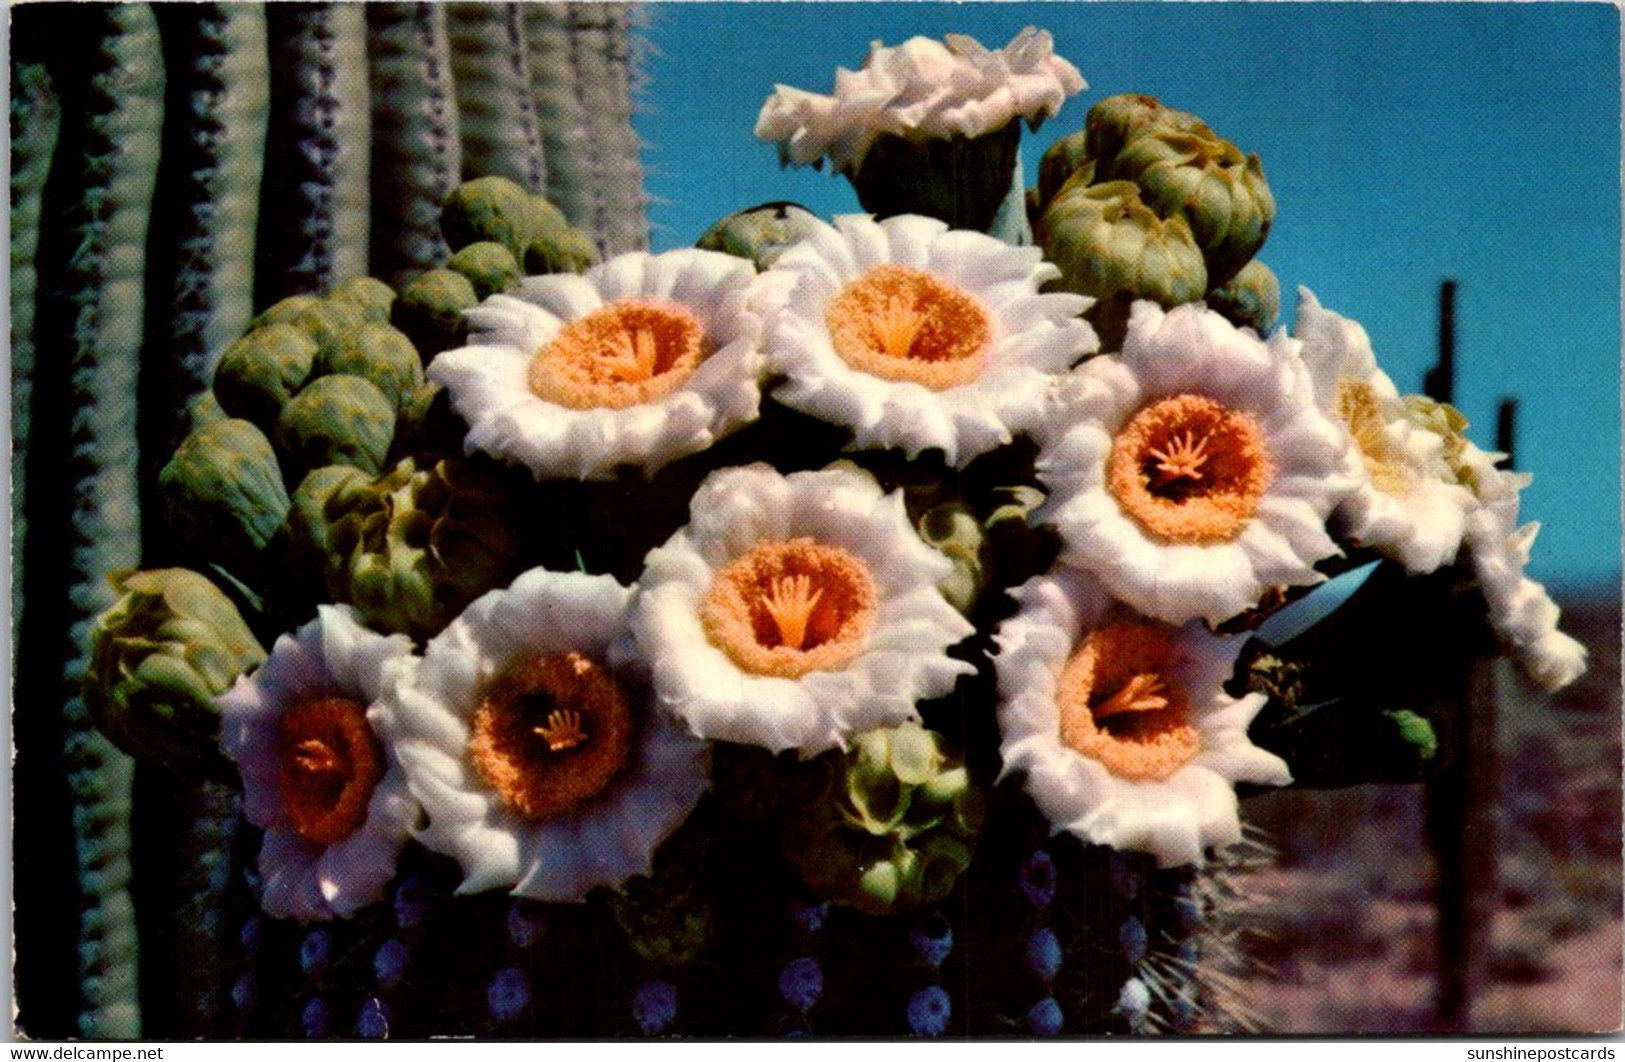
(896, 325)
(1144, 692)
(1357, 404)
(314, 756)
(563, 731)
(1182, 458)
(631, 355)
(791, 603)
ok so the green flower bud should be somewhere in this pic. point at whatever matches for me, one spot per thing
(430, 311)
(260, 372)
(667, 916)
(222, 496)
(489, 266)
(954, 531)
(381, 354)
(411, 550)
(1116, 120)
(326, 321)
(1221, 192)
(1065, 158)
(960, 180)
(559, 249)
(330, 489)
(372, 295)
(158, 658)
(1415, 731)
(336, 420)
(204, 409)
(1108, 244)
(1250, 299)
(897, 828)
(761, 233)
(544, 216)
(489, 208)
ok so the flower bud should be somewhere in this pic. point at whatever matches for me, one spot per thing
(1116, 120)
(324, 320)
(896, 829)
(489, 208)
(329, 489)
(559, 249)
(1221, 192)
(260, 372)
(430, 311)
(222, 495)
(158, 658)
(1108, 244)
(336, 420)
(488, 265)
(1250, 299)
(372, 295)
(1065, 158)
(412, 549)
(761, 233)
(380, 354)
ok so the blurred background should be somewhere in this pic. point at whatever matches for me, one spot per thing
(1405, 144)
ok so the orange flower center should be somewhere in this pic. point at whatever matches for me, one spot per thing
(1120, 706)
(907, 325)
(624, 354)
(1357, 405)
(550, 733)
(787, 608)
(329, 764)
(1189, 470)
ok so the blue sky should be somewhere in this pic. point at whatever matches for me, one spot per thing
(1404, 143)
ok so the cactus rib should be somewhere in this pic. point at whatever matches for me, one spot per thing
(315, 219)
(92, 288)
(496, 114)
(416, 150)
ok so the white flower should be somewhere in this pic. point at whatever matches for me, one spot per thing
(796, 610)
(1121, 726)
(1407, 504)
(1193, 472)
(917, 337)
(529, 735)
(921, 89)
(642, 360)
(316, 778)
(1521, 611)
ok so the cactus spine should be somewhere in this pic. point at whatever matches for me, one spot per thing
(496, 114)
(416, 150)
(314, 221)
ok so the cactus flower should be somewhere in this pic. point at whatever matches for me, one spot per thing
(794, 611)
(917, 337)
(1120, 726)
(531, 736)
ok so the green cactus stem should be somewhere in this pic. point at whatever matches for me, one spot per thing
(315, 219)
(496, 114)
(92, 273)
(417, 154)
(582, 77)
(207, 206)
(34, 118)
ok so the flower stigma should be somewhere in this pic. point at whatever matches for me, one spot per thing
(626, 353)
(1119, 705)
(550, 733)
(907, 325)
(329, 764)
(1189, 470)
(786, 608)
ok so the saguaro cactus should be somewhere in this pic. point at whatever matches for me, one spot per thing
(174, 170)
